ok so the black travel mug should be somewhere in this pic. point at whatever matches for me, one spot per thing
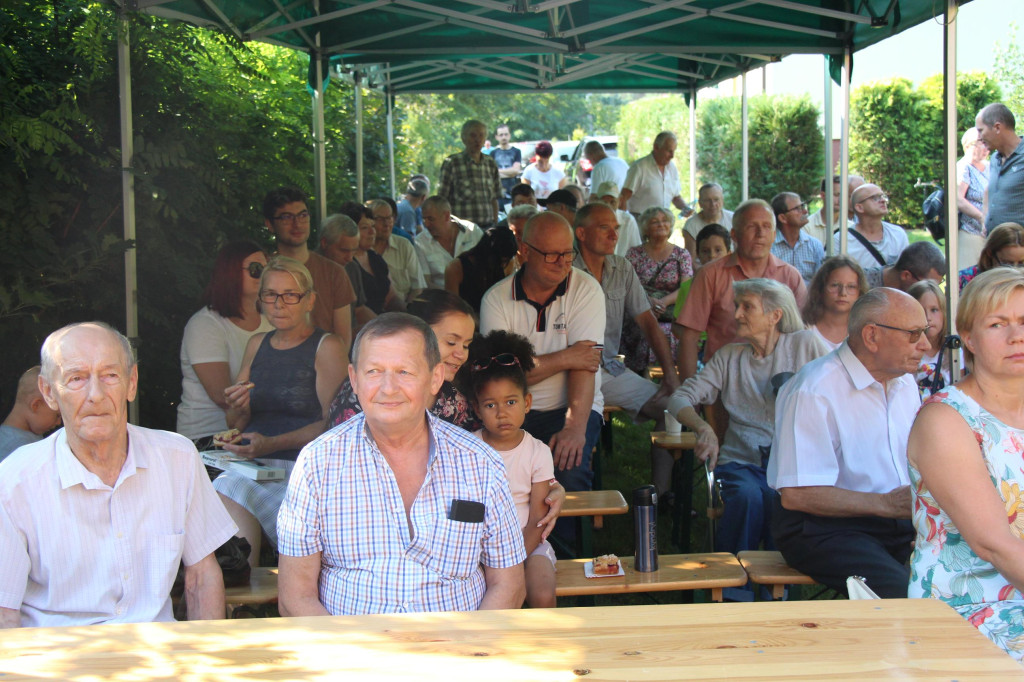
(645, 520)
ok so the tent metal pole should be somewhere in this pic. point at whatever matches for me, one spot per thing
(693, 144)
(391, 140)
(319, 141)
(746, 142)
(844, 163)
(826, 209)
(950, 181)
(131, 286)
(358, 90)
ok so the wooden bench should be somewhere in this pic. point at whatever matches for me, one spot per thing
(596, 503)
(260, 593)
(655, 372)
(681, 446)
(770, 569)
(675, 572)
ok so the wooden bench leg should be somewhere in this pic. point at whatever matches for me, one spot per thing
(716, 594)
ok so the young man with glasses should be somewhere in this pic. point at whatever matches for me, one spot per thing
(839, 457)
(561, 310)
(886, 240)
(792, 244)
(287, 217)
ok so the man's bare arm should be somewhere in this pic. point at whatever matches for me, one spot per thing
(689, 339)
(624, 196)
(298, 586)
(9, 618)
(580, 355)
(506, 588)
(204, 589)
(826, 500)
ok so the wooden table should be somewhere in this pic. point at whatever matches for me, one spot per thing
(675, 572)
(819, 640)
(594, 503)
(681, 446)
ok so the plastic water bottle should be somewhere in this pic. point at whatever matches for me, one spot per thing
(645, 520)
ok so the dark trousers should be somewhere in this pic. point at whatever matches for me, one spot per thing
(830, 550)
(747, 501)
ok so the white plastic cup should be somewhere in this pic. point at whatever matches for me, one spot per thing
(671, 424)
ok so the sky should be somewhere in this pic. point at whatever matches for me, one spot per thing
(914, 54)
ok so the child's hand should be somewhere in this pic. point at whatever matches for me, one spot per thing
(554, 500)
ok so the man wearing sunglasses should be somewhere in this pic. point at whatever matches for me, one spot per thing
(873, 242)
(287, 217)
(792, 244)
(561, 310)
(839, 457)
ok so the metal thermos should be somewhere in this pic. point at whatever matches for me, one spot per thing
(645, 520)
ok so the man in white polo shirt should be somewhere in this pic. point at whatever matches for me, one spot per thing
(561, 310)
(654, 180)
(95, 518)
(443, 239)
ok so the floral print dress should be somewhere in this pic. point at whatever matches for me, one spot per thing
(943, 566)
(662, 276)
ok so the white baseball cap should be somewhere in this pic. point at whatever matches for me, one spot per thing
(607, 188)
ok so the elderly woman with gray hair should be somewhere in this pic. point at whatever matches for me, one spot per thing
(747, 376)
(972, 183)
(662, 267)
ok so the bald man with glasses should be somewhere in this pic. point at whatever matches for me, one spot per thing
(839, 457)
(873, 242)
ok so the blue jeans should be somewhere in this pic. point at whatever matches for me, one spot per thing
(746, 519)
(542, 425)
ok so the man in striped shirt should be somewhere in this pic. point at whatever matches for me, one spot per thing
(395, 510)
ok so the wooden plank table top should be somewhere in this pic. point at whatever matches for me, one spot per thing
(675, 572)
(687, 440)
(817, 640)
(594, 503)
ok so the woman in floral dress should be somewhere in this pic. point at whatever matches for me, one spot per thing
(966, 455)
(661, 267)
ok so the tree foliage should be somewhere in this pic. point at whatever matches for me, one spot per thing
(1008, 67)
(217, 123)
(786, 146)
(642, 119)
(887, 145)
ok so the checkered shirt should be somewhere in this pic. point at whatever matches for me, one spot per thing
(343, 501)
(471, 187)
(806, 256)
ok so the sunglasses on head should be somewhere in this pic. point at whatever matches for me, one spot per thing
(255, 269)
(501, 359)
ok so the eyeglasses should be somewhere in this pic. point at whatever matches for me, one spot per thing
(799, 207)
(289, 297)
(883, 197)
(501, 359)
(255, 269)
(383, 218)
(553, 256)
(837, 288)
(1010, 263)
(915, 334)
(301, 216)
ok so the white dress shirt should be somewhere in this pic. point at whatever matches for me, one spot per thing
(651, 186)
(434, 258)
(836, 426)
(75, 551)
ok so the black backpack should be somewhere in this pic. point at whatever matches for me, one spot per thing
(934, 209)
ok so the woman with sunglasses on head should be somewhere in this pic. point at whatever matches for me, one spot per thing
(280, 397)
(215, 338)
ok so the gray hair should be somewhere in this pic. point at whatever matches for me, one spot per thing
(864, 312)
(336, 226)
(663, 137)
(380, 203)
(707, 187)
(436, 202)
(741, 211)
(998, 112)
(647, 216)
(391, 324)
(774, 296)
(920, 258)
(46, 353)
(523, 211)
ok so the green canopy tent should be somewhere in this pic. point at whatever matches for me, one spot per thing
(410, 46)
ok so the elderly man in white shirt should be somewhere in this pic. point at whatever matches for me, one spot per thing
(839, 458)
(654, 180)
(442, 240)
(95, 518)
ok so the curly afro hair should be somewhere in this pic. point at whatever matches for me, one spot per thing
(485, 348)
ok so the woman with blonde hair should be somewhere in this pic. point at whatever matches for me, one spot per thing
(966, 477)
(281, 396)
(972, 181)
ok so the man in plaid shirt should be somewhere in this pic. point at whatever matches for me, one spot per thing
(469, 179)
(395, 510)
